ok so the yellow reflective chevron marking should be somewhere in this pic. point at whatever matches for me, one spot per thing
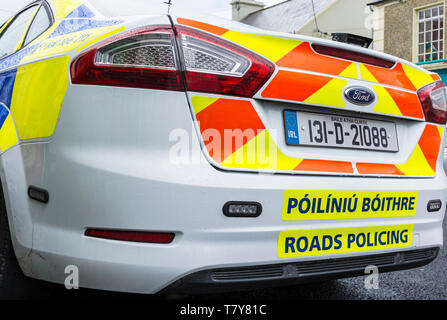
(350, 72)
(366, 74)
(330, 94)
(317, 242)
(261, 152)
(385, 103)
(441, 130)
(63, 8)
(257, 150)
(39, 91)
(201, 103)
(395, 96)
(417, 77)
(272, 48)
(102, 37)
(416, 165)
(8, 134)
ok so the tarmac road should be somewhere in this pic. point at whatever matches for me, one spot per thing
(427, 282)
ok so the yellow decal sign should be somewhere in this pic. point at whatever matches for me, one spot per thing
(332, 241)
(322, 205)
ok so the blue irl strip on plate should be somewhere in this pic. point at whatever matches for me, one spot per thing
(291, 122)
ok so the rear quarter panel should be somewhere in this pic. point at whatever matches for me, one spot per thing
(33, 84)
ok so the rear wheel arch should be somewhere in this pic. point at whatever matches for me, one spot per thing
(13, 202)
(13, 282)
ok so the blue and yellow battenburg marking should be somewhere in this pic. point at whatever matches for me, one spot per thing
(34, 114)
(301, 243)
(65, 8)
(323, 205)
(8, 134)
(62, 37)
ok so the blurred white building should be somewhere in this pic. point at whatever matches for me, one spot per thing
(318, 18)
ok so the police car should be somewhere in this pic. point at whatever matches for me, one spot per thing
(156, 152)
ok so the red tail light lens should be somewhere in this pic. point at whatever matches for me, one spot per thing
(353, 56)
(433, 98)
(133, 236)
(146, 58)
(143, 58)
(214, 65)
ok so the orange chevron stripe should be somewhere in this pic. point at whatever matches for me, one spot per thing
(436, 77)
(203, 26)
(378, 168)
(227, 114)
(295, 86)
(304, 58)
(325, 166)
(430, 142)
(393, 77)
(408, 103)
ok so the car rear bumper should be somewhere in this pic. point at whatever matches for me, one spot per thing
(190, 205)
(246, 278)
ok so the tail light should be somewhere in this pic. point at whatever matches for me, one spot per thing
(143, 58)
(433, 98)
(146, 58)
(214, 65)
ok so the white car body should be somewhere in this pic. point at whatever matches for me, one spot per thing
(108, 165)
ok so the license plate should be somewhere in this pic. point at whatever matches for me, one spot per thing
(325, 130)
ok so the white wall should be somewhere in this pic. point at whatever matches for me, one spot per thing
(348, 16)
(379, 28)
(242, 8)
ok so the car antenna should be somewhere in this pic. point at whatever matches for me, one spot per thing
(169, 3)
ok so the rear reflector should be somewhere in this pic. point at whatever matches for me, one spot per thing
(433, 98)
(133, 236)
(353, 56)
